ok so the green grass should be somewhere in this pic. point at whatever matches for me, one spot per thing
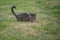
(46, 27)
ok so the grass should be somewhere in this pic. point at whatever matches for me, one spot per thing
(46, 27)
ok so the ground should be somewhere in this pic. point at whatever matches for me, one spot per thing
(46, 26)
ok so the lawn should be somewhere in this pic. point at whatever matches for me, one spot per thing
(46, 27)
